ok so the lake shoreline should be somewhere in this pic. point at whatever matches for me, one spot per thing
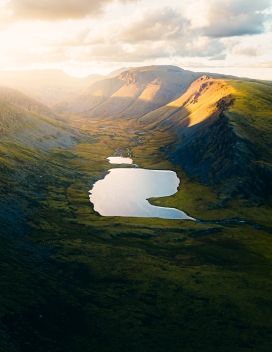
(125, 192)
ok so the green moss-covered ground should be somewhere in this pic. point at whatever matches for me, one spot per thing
(72, 280)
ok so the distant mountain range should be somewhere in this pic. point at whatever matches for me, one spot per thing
(131, 93)
(50, 86)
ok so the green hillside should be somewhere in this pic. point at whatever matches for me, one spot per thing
(72, 280)
(251, 115)
(223, 135)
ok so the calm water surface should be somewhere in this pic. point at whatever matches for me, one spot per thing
(124, 192)
(119, 160)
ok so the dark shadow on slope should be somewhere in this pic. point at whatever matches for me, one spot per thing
(133, 93)
(213, 152)
(138, 105)
(145, 100)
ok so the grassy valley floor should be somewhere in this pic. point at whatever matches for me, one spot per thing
(81, 282)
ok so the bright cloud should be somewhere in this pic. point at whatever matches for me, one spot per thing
(54, 10)
(154, 24)
(63, 33)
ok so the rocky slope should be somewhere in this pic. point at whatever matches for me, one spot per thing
(20, 100)
(224, 134)
(29, 123)
(132, 93)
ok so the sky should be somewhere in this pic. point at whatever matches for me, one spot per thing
(82, 37)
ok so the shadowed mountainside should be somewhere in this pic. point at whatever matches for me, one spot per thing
(224, 134)
(132, 93)
(212, 116)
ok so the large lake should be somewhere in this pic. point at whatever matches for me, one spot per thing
(124, 192)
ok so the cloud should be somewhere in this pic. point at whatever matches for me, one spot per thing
(198, 46)
(122, 52)
(202, 30)
(54, 10)
(154, 24)
(247, 51)
(149, 34)
(218, 57)
(170, 30)
(227, 18)
(118, 51)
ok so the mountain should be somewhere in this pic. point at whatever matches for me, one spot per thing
(132, 93)
(16, 98)
(47, 86)
(216, 135)
(72, 280)
(118, 72)
(29, 123)
(223, 135)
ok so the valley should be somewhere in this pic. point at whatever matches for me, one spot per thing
(73, 280)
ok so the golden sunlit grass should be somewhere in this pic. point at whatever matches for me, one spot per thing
(196, 105)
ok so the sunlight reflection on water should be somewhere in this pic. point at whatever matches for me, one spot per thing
(124, 192)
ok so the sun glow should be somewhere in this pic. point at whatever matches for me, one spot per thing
(99, 37)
